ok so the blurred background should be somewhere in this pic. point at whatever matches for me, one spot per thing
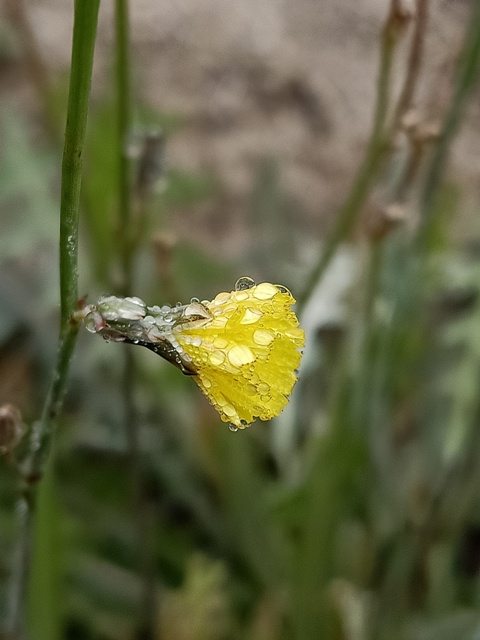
(302, 143)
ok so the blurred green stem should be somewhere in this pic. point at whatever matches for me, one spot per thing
(123, 131)
(377, 146)
(467, 78)
(84, 33)
(128, 247)
(414, 63)
(363, 400)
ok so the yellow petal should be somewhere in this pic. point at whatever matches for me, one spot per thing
(246, 356)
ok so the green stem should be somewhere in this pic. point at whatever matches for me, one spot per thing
(128, 246)
(84, 33)
(124, 118)
(467, 77)
(376, 149)
(414, 63)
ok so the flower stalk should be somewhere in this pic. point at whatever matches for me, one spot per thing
(42, 433)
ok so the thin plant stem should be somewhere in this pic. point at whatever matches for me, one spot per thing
(127, 252)
(376, 149)
(84, 33)
(124, 117)
(414, 63)
(21, 564)
(467, 78)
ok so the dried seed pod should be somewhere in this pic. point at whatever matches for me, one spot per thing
(11, 428)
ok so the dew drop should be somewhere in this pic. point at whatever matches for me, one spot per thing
(220, 343)
(229, 411)
(283, 289)
(251, 316)
(135, 301)
(263, 388)
(265, 291)
(244, 423)
(195, 300)
(240, 355)
(217, 358)
(135, 341)
(263, 337)
(221, 297)
(230, 309)
(233, 427)
(90, 323)
(244, 283)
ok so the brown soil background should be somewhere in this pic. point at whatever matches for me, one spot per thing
(290, 79)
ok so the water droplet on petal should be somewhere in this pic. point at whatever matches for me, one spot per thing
(220, 343)
(265, 291)
(239, 355)
(263, 388)
(233, 427)
(221, 297)
(250, 316)
(263, 337)
(244, 283)
(229, 411)
(283, 289)
(216, 358)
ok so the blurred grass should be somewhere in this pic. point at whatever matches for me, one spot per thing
(370, 527)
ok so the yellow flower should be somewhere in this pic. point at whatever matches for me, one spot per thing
(245, 353)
